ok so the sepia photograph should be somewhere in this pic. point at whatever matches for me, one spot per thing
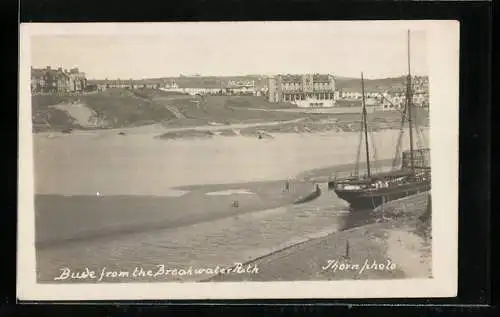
(238, 160)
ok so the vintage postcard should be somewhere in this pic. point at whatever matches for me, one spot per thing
(238, 160)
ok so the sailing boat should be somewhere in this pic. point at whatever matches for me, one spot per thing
(374, 189)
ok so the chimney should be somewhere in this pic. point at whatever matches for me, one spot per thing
(59, 69)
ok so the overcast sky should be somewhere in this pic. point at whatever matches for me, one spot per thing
(235, 49)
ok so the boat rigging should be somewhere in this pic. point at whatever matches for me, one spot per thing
(375, 189)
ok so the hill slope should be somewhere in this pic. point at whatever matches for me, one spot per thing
(113, 108)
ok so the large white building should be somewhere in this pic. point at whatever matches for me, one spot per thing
(241, 87)
(194, 88)
(307, 91)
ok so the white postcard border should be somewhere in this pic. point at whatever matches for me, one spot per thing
(443, 61)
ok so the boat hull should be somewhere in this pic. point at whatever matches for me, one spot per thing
(369, 200)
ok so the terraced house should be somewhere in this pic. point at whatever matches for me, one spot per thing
(309, 90)
(48, 80)
(396, 98)
(104, 84)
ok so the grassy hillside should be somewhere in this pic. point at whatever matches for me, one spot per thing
(154, 94)
(118, 108)
(125, 108)
(257, 102)
(122, 108)
(224, 109)
(46, 118)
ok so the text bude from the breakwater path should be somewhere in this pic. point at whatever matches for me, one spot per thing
(161, 271)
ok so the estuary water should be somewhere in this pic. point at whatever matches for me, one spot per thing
(140, 165)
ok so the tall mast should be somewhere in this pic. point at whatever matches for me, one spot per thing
(409, 104)
(365, 127)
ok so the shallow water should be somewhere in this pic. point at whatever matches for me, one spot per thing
(241, 191)
(220, 242)
(139, 164)
(142, 165)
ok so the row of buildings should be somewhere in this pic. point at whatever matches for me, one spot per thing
(49, 80)
(191, 87)
(305, 90)
(320, 90)
(396, 96)
(104, 84)
(214, 87)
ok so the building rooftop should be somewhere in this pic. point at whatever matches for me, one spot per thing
(126, 81)
(37, 72)
(321, 78)
(318, 78)
(291, 78)
(54, 72)
(97, 81)
(202, 84)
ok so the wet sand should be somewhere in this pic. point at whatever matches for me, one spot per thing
(217, 242)
(382, 244)
(389, 248)
(61, 220)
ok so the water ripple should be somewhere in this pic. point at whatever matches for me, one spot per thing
(221, 242)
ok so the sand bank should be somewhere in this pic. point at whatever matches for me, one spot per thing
(63, 219)
(389, 248)
(240, 191)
